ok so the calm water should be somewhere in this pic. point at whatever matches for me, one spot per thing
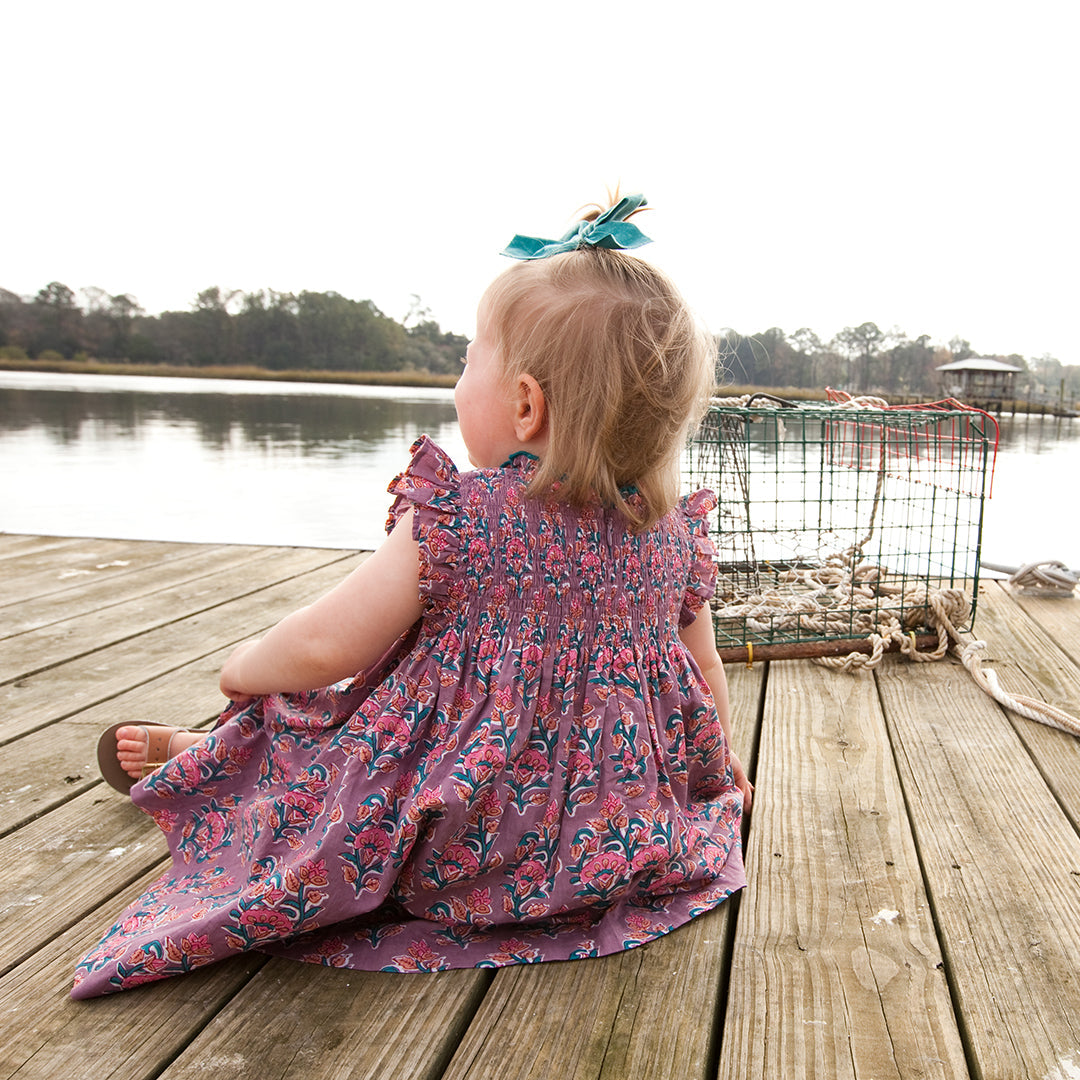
(291, 463)
(195, 459)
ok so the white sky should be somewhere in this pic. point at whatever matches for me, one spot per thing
(812, 163)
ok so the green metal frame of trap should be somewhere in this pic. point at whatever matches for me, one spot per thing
(835, 518)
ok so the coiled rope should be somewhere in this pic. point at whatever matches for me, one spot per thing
(944, 608)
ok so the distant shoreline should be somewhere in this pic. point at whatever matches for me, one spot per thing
(412, 379)
(405, 379)
(179, 371)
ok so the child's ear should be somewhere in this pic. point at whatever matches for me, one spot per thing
(530, 412)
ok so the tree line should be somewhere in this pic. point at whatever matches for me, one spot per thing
(305, 331)
(867, 359)
(311, 331)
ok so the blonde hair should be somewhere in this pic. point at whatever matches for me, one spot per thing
(625, 369)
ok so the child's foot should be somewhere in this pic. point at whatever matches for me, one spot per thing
(133, 745)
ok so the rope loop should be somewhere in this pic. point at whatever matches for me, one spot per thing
(946, 608)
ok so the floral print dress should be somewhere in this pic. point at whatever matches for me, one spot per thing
(536, 773)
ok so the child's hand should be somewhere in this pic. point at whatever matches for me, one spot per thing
(742, 782)
(230, 680)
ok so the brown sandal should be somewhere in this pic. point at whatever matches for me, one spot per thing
(159, 739)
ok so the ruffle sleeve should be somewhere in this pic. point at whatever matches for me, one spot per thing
(430, 485)
(695, 510)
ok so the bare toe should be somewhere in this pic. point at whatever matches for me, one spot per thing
(131, 744)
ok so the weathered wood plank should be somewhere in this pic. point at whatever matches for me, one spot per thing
(48, 767)
(60, 866)
(349, 1024)
(38, 700)
(1030, 656)
(17, 545)
(100, 838)
(16, 541)
(1002, 866)
(1047, 652)
(112, 585)
(47, 645)
(1059, 618)
(128, 1036)
(825, 982)
(836, 969)
(650, 1012)
(42, 573)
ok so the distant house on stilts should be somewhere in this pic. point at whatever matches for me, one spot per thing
(980, 382)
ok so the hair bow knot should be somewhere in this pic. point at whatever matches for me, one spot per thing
(609, 230)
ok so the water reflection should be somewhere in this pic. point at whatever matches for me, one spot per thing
(290, 463)
(315, 423)
(1036, 434)
(198, 460)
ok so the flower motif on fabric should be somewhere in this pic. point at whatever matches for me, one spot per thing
(418, 957)
(284, 903)
(206, 834)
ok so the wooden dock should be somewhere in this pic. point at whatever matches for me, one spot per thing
(914, 862)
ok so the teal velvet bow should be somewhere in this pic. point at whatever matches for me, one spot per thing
(609, 230)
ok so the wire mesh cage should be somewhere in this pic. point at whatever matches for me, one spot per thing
(835, 520)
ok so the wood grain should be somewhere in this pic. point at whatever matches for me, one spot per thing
(106, 585)
(907, 791)
(130, 1036)
(88, 631)
(43, 566)
(836, 970)
(36, 700)
(1030, 645)
(296, 1021)
(1002, 866)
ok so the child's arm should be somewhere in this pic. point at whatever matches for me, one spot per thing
(698, 638)
(344, 632)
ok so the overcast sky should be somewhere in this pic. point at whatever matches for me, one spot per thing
(814, 163)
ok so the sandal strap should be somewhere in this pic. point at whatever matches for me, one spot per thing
(159, 742)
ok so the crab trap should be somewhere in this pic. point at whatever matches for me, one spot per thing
(839, 521)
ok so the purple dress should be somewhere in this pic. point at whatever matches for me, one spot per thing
(536, 773)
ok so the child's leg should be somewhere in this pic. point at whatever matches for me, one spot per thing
(133, 746)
